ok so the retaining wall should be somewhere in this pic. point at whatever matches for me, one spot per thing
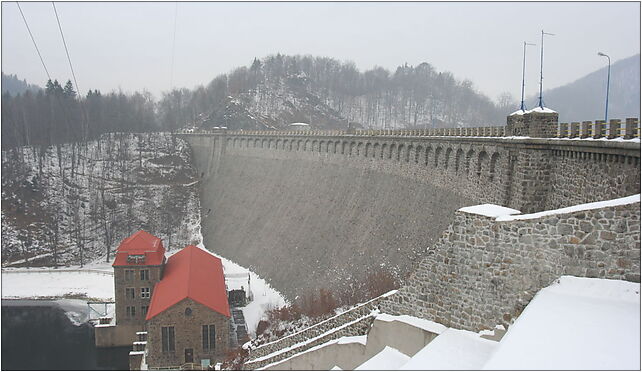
(483, 272)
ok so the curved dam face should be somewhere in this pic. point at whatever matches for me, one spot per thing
(309, 212)
(306, 222)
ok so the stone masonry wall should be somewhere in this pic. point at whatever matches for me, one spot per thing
(484, 272)
(599, 175)
(358, 315)
(187, 333)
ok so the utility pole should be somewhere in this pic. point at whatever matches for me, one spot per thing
(541, 69)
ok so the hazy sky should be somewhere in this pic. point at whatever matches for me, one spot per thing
(129, 45)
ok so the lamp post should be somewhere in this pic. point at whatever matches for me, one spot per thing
(608, 83)
(522, 107)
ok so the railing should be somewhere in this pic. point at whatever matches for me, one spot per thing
(600, 129)
(450, 132)
(586, 129)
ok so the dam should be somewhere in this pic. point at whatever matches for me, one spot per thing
(309, 210)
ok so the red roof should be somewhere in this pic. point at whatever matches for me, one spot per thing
(140, 244)
(191, 273)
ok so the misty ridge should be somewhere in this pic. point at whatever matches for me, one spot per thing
(277, 90)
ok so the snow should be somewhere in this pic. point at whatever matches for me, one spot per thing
(576, 208)
(576, 324)
(424, 324)
(352, 340)
(508, 214)
(518, 112)
(454, 349)
(489, 210)
(541, 110)
(35, 283)
(387, 359)
(336, 368)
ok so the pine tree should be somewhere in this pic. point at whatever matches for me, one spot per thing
(69, 91)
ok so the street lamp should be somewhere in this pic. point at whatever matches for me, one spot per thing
(608, 83)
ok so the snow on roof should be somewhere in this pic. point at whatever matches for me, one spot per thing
(575, 324)
(424, 324)
(518, 112)
(489, 210)
(541, 110)
(576, 208)
(387, 359)
(191, 273)
(454, 349)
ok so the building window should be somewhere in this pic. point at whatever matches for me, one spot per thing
(144, 309)
(188, 311)
(131, 311)
(130, 293)
(144, 275)
(209, 337)
(144, 293)
(129, 275)
(167, 337)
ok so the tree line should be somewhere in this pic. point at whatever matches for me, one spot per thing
(269, 93)
(58, 115)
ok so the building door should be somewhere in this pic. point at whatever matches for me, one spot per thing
(189, 355)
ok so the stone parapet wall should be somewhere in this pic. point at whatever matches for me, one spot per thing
(483, 272)
(355, 328)
(528, 174)
(352, 322)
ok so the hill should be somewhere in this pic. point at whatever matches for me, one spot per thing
(279, 90)
(584, 99)
(14, 86)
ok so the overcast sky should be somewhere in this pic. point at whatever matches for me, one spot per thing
(129, 45)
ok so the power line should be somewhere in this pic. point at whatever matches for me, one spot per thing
(34, 41)
(171, 78)
(66, 50)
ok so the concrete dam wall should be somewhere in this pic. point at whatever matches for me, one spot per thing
(323, 211)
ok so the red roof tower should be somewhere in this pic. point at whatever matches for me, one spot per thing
(142, 248)
(191, 273)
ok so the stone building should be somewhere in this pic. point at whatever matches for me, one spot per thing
(188, 320)
(138, 266)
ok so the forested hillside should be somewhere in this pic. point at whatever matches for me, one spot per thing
(327, 93)
(14, 86)
(72, 203)
(584, 99)
(270, 93)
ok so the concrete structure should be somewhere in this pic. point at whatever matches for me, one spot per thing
(330, 202)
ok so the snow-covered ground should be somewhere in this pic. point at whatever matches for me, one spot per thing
(95, 281)
(50, 283)
(578, 324)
